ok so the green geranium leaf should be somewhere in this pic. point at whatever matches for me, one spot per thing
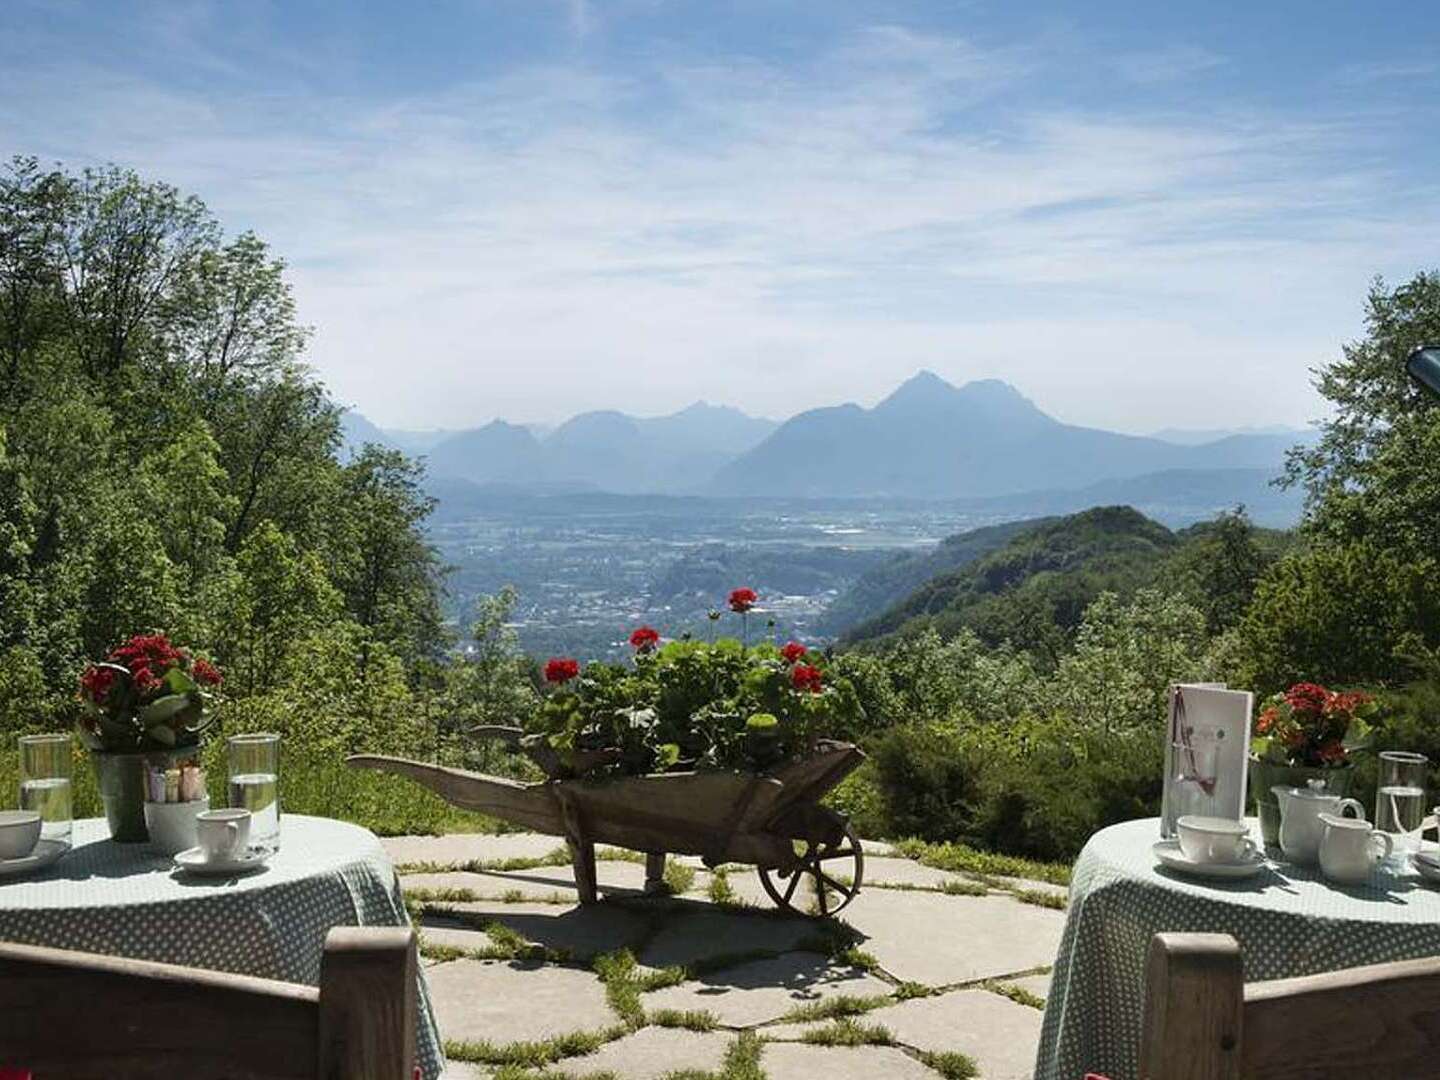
(161, 734)
(180, 683)
(164, 709)
(666, 755)
(1358, 735)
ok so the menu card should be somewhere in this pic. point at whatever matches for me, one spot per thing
(1207, 743)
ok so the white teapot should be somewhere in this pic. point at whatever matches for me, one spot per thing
(1300, 824)
(1349, 849)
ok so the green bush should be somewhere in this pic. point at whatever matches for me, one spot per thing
(1034, 788)
(928, 781)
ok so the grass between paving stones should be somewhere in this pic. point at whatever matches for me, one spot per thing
(517, 1072)
(962, 859)
(953, 887)
(1040, 898)
(848, 1032)
(721, 892)
(558, 856)
(537, 1054)
(1017, 994)
(423, 896)
(837, 1007)
(625, 982)
(951, 1065)
(689, 1019)
(679, 878)
(505, 942)
(742, 1062)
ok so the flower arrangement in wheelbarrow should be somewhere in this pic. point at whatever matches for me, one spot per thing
(692, 705)
(716, 749)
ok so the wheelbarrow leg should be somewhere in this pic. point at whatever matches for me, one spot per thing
(654, 872)
(582, 857)
(582, 847)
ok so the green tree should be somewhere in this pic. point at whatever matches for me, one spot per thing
(1375, 472)
(1219, 568)
(1341, 613)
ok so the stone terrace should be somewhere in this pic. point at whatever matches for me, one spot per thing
(927, 974)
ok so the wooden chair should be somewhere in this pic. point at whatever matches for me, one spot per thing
(79, 1016)
(1202, 1022)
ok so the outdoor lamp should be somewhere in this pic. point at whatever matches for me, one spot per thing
(1424, 367)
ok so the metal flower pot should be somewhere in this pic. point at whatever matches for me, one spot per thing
(120, 775)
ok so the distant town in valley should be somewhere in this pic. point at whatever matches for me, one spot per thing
(608, 520)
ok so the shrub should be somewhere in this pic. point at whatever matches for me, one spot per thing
(928, 778)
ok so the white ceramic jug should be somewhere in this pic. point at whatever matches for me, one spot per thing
(1300, 810)
(1349, 849)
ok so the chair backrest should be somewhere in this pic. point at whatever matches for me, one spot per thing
(78, 1016)
(1202, 1022)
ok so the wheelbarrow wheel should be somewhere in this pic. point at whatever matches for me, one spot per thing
(828, 875)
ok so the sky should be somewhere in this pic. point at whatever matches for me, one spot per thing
(1141, 215)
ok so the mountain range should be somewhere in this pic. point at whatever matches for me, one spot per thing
(928, 439)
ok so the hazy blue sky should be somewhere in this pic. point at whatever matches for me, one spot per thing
(1141, 214)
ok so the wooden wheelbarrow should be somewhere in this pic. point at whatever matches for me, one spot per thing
(774, 821)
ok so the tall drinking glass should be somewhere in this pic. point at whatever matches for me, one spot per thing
(45, 767)
(1400, 800)
(255, 785)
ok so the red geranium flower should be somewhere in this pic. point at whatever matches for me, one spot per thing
(807, 677)
(793, 651)
(1307, 698)
(206, 672)
(1332, 752)
(742, 600)
(1266, 720)
(1345, 704)
(153, 650)
(144, 679)
(560, 669)
(644, 638)
(96, 682)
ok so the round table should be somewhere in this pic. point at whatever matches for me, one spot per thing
(1288, 919)
(126, 900)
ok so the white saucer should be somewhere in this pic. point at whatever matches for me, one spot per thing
(45, 853)
(194, 861)
(1169, 853)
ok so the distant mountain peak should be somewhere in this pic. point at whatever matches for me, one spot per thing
(992, 401)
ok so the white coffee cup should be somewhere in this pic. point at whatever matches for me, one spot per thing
(224, 835)
(172, 825)
(1213, 839)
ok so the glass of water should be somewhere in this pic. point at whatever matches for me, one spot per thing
(255, 785)
(45, 767)
(1400, 799)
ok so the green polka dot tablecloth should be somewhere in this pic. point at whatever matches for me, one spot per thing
(125, 900)
(1288, 919)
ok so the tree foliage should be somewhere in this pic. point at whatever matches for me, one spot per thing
(167, 460)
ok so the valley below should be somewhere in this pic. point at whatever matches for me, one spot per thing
(589, 567)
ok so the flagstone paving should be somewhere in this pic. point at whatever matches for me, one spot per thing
(931, 973)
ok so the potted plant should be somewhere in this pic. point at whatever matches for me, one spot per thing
(146, 704)
(1307, 733)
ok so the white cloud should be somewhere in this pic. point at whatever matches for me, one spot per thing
(559, 238)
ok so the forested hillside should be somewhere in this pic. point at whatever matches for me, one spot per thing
(1032, 591)
(167, 461)
(879, 588)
